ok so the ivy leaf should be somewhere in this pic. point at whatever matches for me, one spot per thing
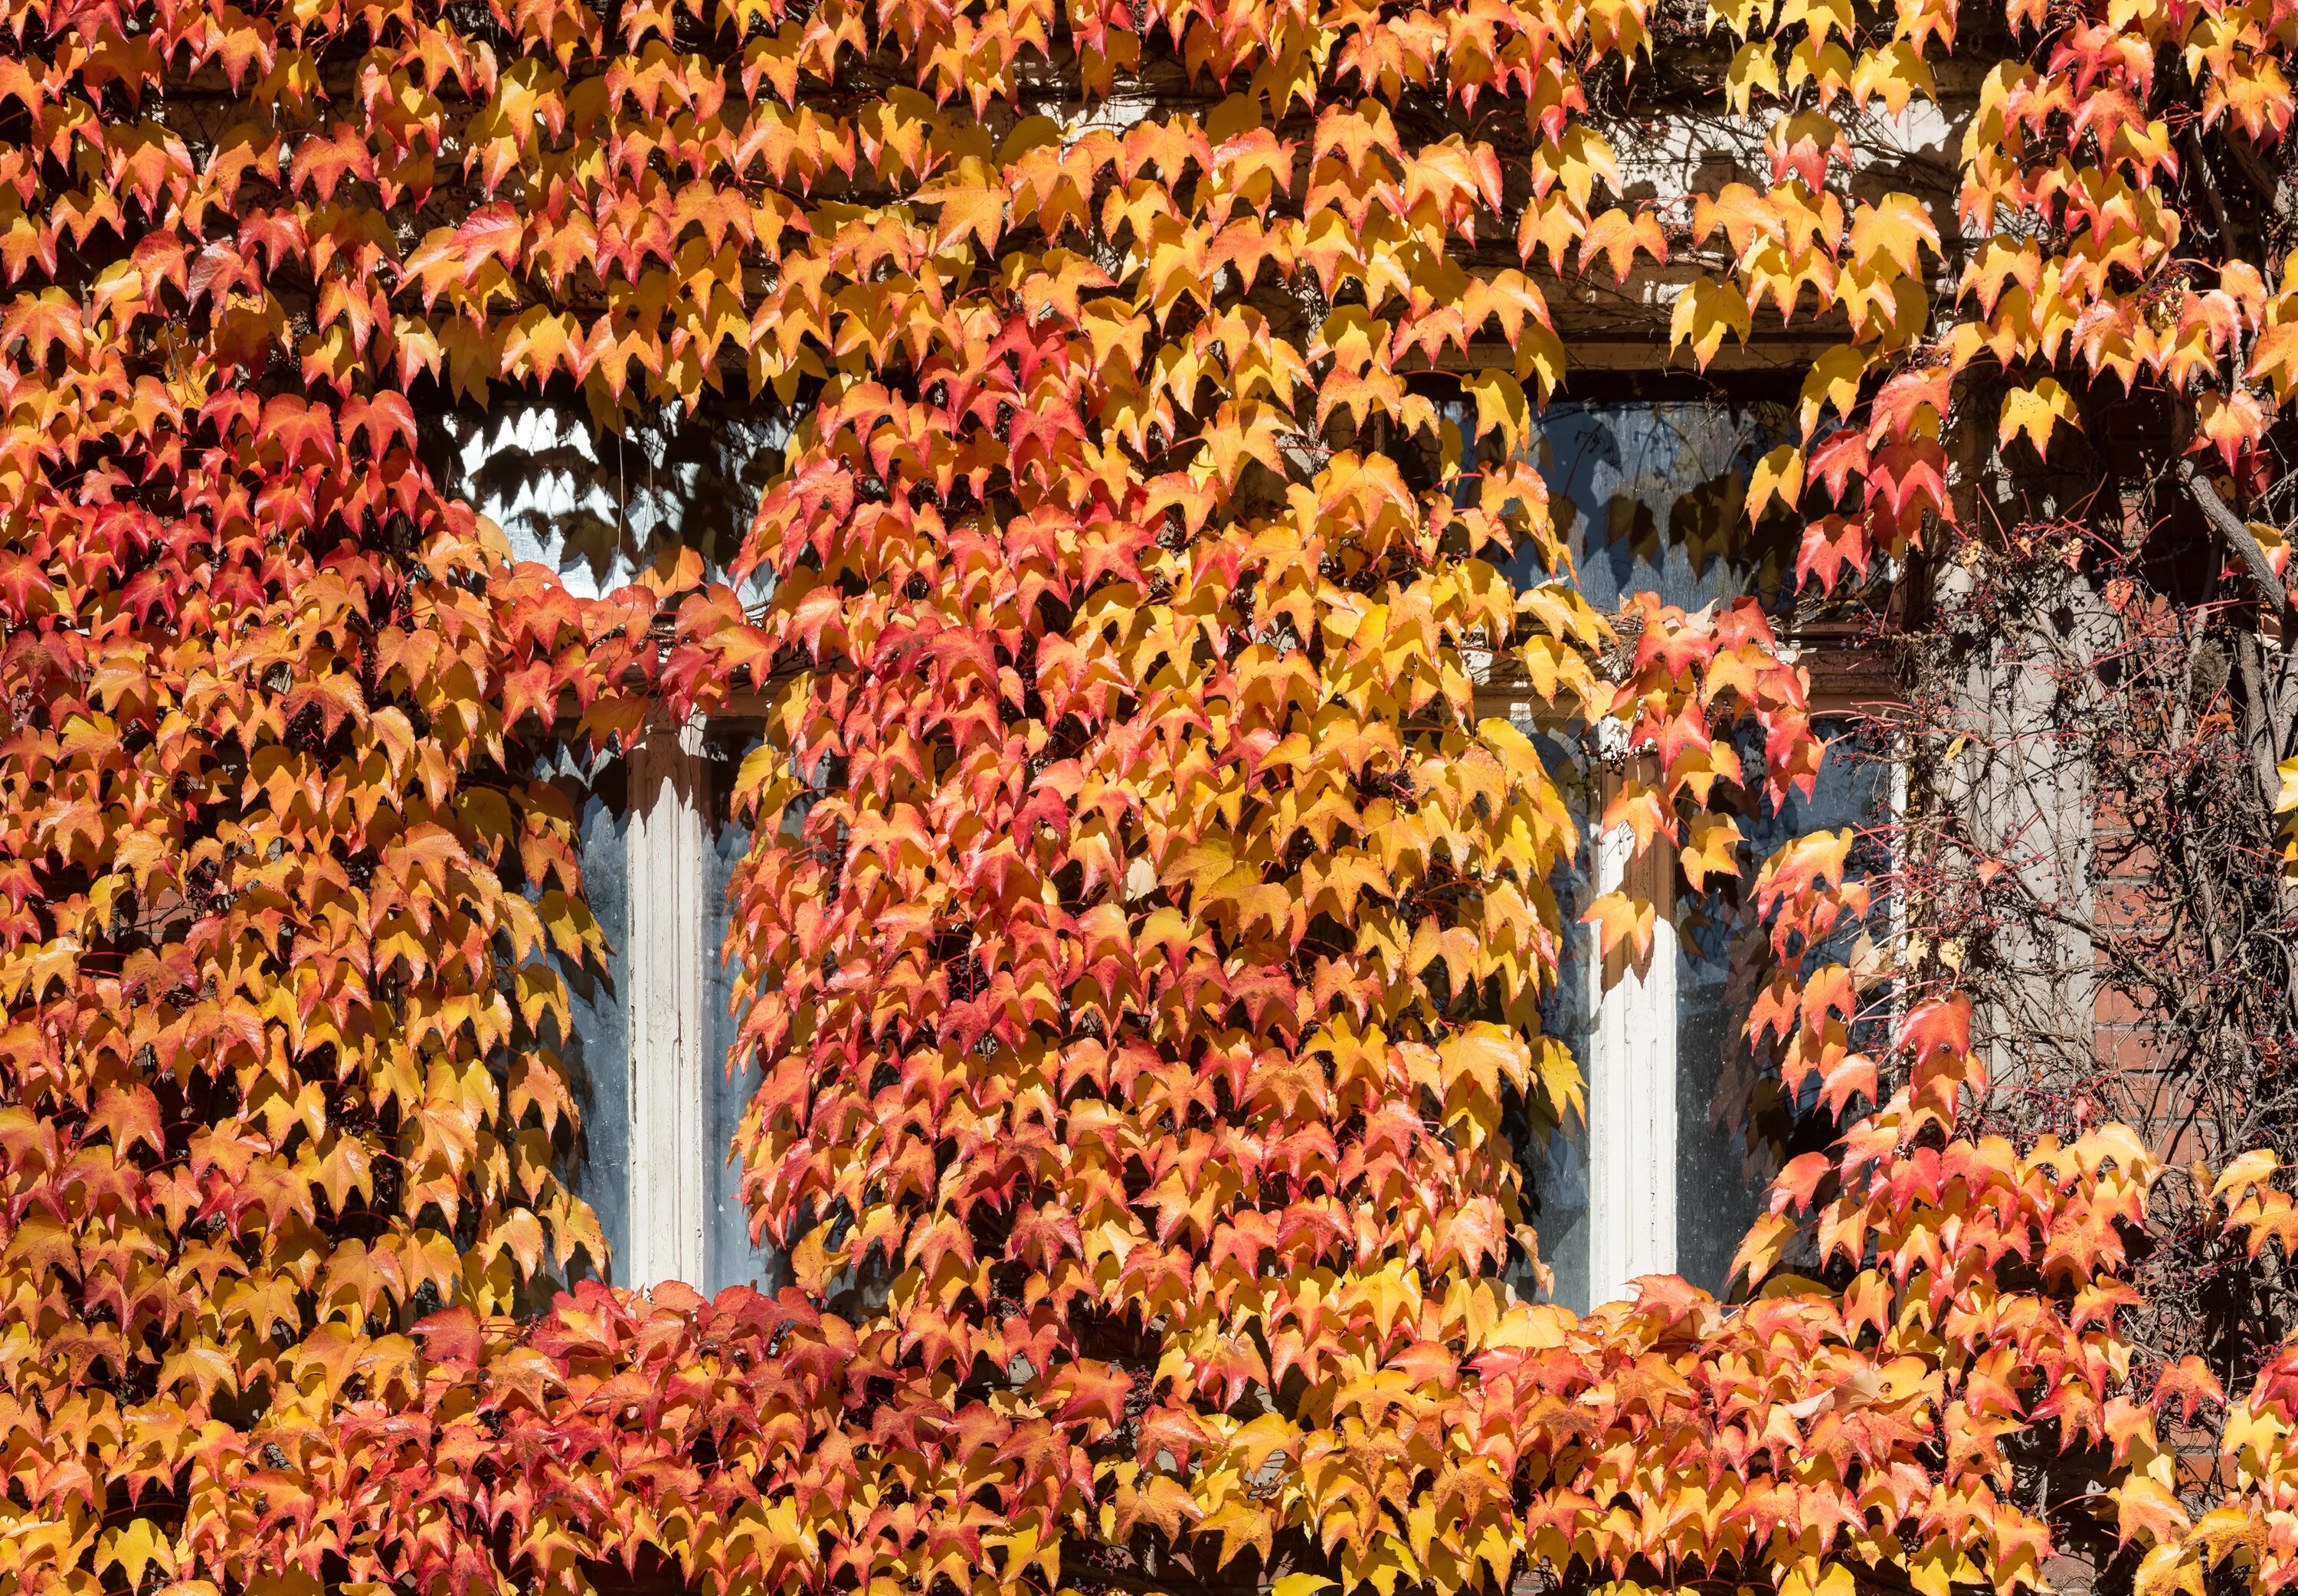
(2036, 411)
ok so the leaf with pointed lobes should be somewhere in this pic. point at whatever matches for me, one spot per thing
(2188, 1384)
(1711, 849)
(1705, 311)
(452, 1336)
(1620, 919)
(2036, 411)
(1778, 475)
(1894, 229)
(1811, 863)
(2232, 423)
(1618, 237)
(2145, 1507)
(130, 1114)
(1643, 810)
(2252, 1168)
(1089, 1389)
(1937, 1025)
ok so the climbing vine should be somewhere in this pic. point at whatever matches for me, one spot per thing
(1142, 949)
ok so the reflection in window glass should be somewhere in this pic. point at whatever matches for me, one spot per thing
(1719, 1185)
(1649, 497)
(598, 1055)
(599, 506)
(730, 1257)
(1556, 1170)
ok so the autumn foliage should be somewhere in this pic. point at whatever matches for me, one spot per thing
(1143, 951)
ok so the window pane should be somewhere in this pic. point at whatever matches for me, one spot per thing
(598, 1055)
(1643, 492)
(1555, 1165)
(1559, 1172)
(733, 1259)
(1720, 1182)
(1648, 495)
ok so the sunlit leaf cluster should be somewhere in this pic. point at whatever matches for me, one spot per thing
(1142, 949)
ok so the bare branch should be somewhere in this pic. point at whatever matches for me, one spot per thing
(2239, 536)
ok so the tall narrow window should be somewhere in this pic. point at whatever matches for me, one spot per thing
(651, 1031)
(1657, 1178)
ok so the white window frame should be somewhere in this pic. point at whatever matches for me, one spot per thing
(1630, 1070)
(670, 1165)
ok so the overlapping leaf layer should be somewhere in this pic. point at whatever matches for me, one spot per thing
(1144, 947)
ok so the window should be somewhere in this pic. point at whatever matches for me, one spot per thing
(1650, 494)
(1657, 1180)
(653, 1031)
(1654, 1180)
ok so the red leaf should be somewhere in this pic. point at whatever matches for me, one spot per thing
(452, 1336)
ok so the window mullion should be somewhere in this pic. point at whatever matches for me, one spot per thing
(669, 1204)
(1631, 1078)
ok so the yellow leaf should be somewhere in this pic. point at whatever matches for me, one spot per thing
(1711, 848)
(2167, 1569)
(1742, 17)
(1619, 918)
(2289, 798)
(1704, 312)
(1300, 1585)
(1642, 810)
(1834, 380)
(1502, 407)
(1617, 235)
(2225, 1529)
(1753, 68)
(972, 202)
(2036, 411)
(1761, 1249)
(1485, 1052)
(1896, 72)
(1890, 230)
(2275, 357)
(2244, 1172)
(1560, 1080)
(132, 1547)
(1779, 474)
(1821, 17)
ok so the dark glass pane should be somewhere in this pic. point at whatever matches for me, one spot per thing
(598, 1055)
(1556, 1166)
(1720, 1182)
(730, 1257)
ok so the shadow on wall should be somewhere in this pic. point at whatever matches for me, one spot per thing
(1651, 496)
(600, 507)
